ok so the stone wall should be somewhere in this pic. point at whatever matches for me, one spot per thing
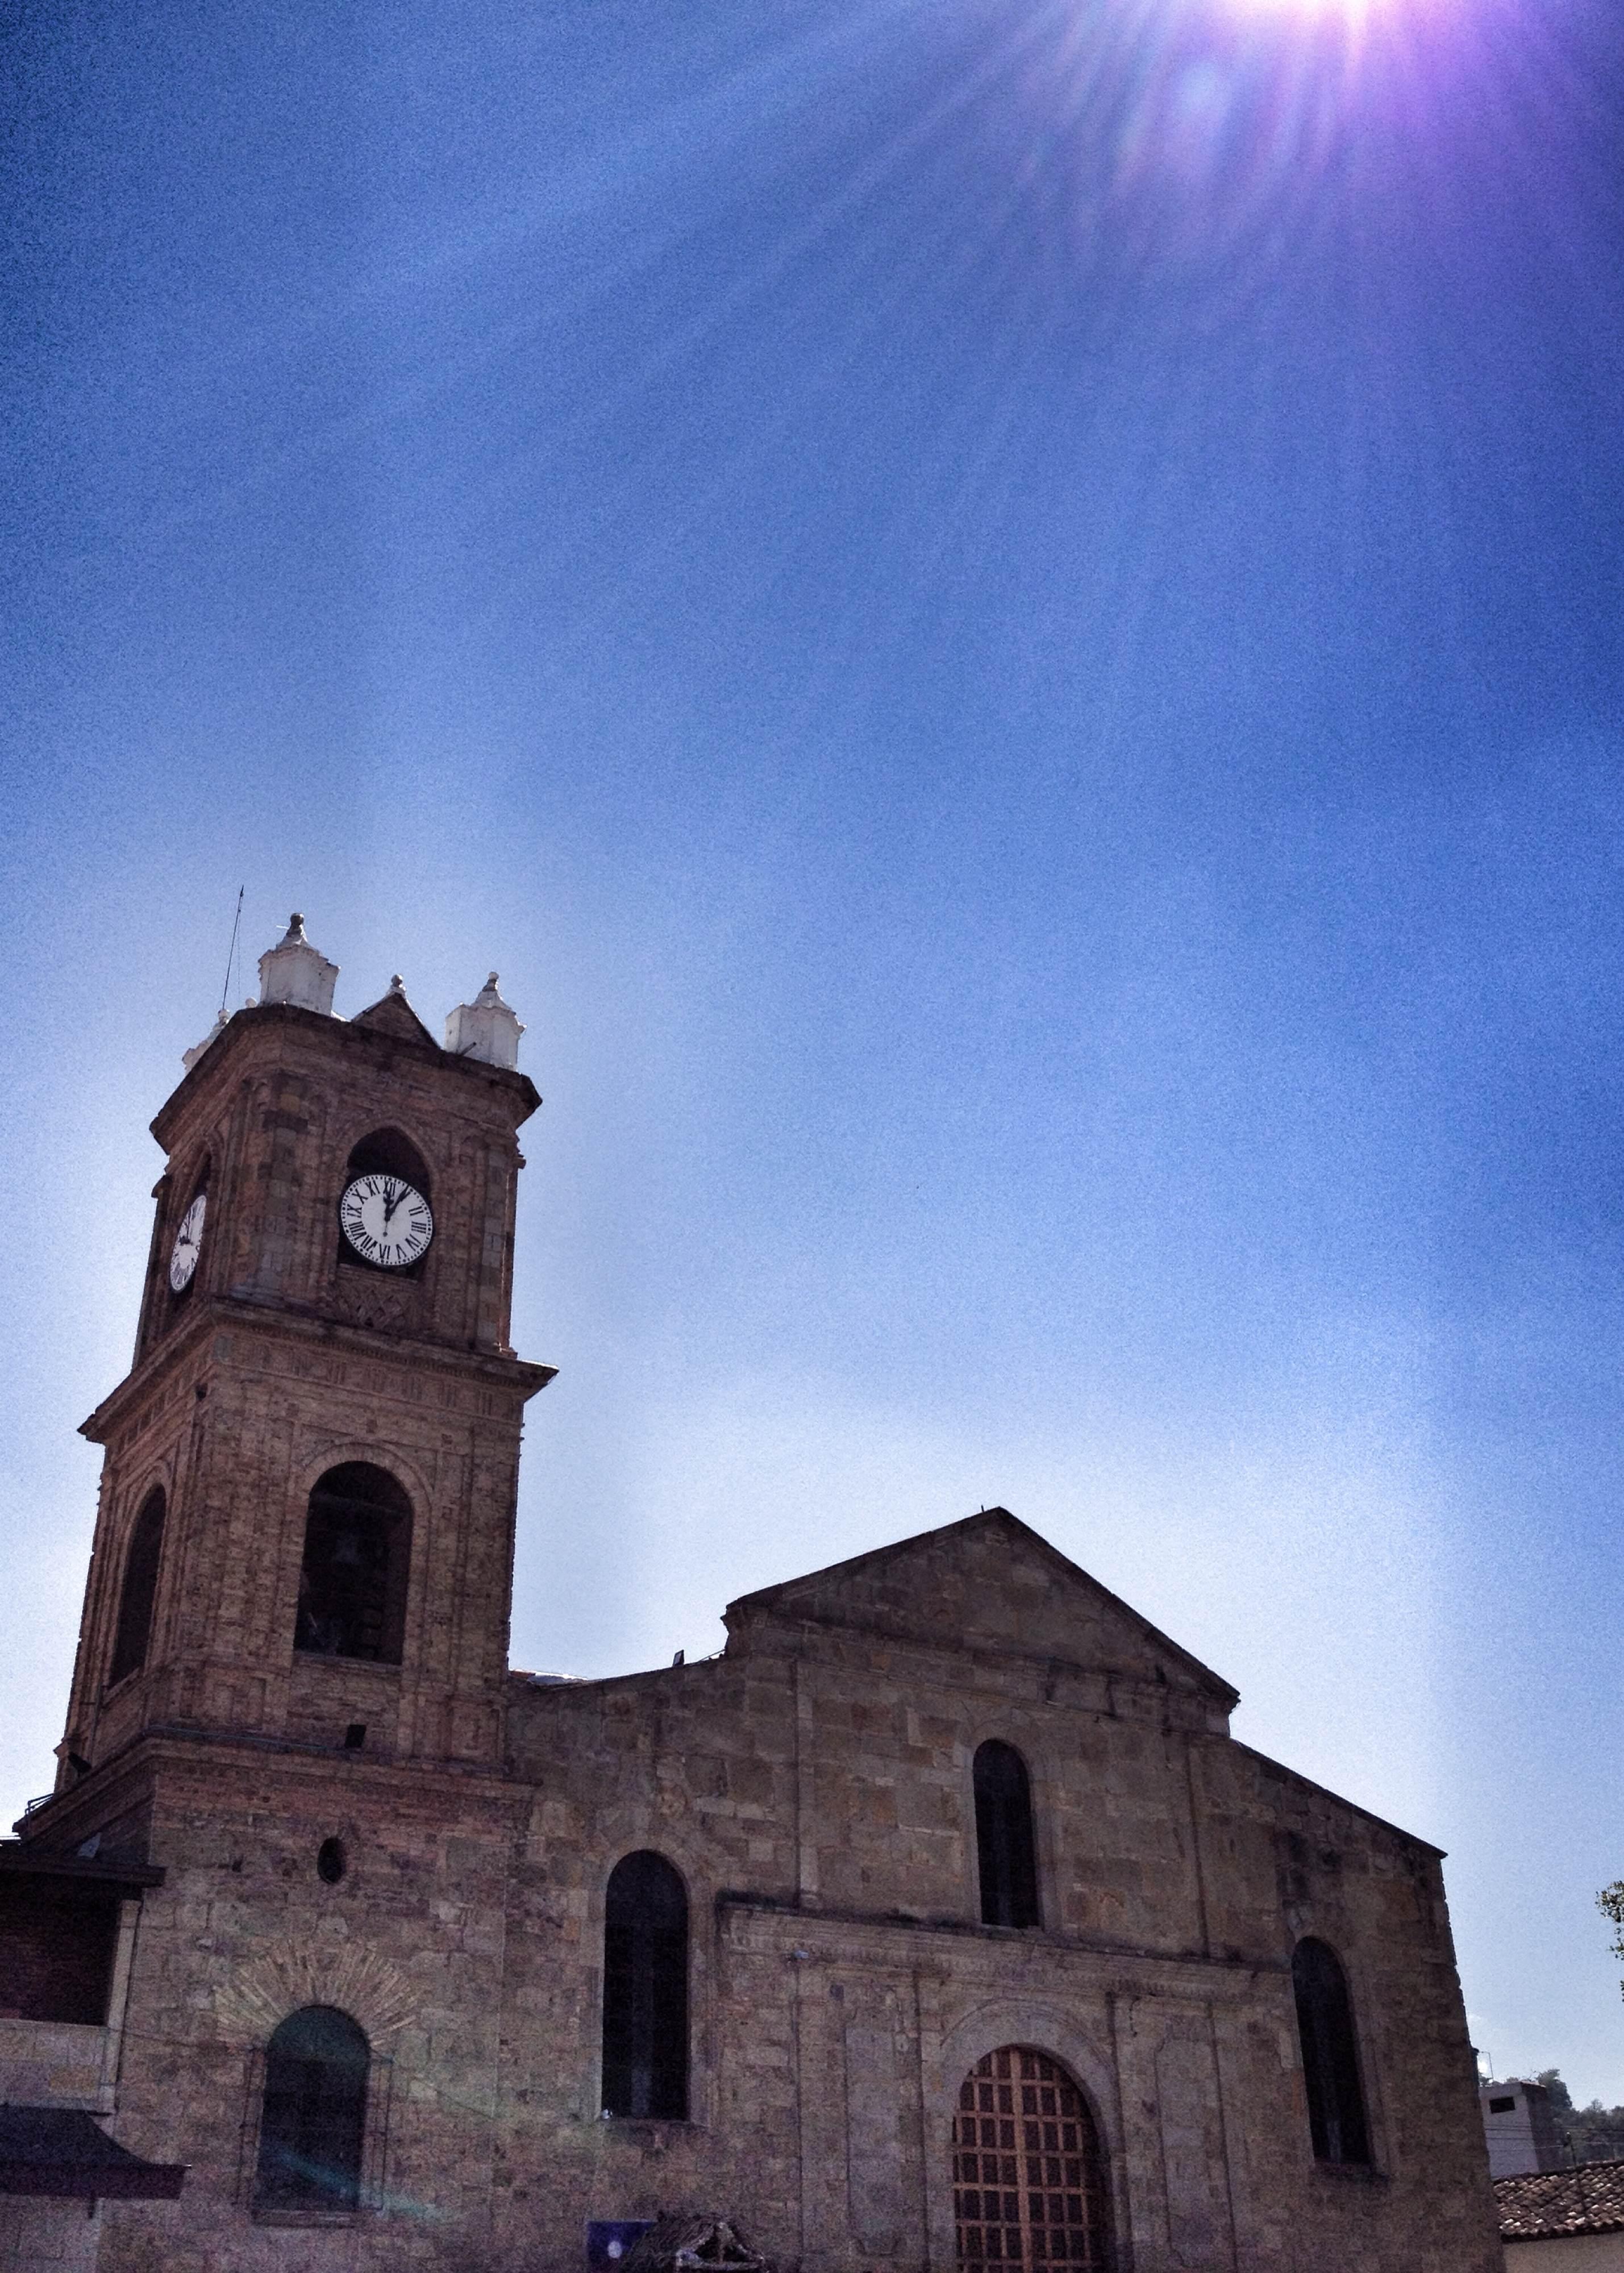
(410, 1942)
(814, 1790)
(813, 1787)
(38, 2235)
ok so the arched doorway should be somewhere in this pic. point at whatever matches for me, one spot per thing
(1029, 2176)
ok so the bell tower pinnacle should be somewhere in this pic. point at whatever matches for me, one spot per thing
(306, 1519)
(295, 971)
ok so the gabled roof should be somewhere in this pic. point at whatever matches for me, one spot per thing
(392, 1014)
(1538, 2205)
(987, 1582)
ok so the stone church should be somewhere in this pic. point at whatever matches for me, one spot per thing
(937, 1923)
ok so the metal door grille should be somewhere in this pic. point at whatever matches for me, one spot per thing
(1028, 2184)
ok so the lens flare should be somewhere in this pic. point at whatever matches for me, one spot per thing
(1355, 11)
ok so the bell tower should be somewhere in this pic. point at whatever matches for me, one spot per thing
(306, 1522)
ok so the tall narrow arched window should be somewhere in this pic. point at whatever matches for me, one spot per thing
(140, 1590)
(312, 2124)
(1028, 2172)
(1004, 1843)
(646, 1989)
(357, 1556)
(1330, 2055)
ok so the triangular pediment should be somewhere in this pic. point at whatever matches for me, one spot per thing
(394, 1015)
(988, 1583)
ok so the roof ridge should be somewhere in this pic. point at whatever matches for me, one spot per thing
(772, 1599)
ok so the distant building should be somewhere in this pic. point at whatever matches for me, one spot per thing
(1521, 2128)
(1572, 2219)
(938, 1922)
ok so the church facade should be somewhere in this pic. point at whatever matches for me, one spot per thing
(937, 1923)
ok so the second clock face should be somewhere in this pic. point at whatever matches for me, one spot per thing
(188, 1240)
(386, 1220)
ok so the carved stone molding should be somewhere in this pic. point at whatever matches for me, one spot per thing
(262, 1993)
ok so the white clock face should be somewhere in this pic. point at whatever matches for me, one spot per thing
(386, 1220)
(188, 1240)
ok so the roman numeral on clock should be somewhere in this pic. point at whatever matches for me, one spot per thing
(385, 1220)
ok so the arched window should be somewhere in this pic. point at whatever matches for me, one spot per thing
(313, 2122)
(186, 1243)
(386, 1152)
(1028, 2177)
(358, 1553)
(1004, 1843)
(646, 1989)
(1330, 2055)
(141, 1589)
(389, 1152)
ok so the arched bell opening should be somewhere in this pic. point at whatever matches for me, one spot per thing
(139, 1594)
(385, 1217)
(390, 1153)
(356, 1562)
(186, 1230)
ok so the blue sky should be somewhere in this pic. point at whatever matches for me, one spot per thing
(1006, 621)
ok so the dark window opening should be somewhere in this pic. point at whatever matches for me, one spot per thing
(1501, 2106)
(645, 1990)
(386, 1152)
(58, 1943)
(389, 1152)
(1330, 2055)
(1004, 1843)
(331, 1862)
(357, 1551)
(313, 2122)
(1028, 2177)
(141, 1589)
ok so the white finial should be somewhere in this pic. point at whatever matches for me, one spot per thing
(295, 971)
(397, 985)
(485, 1029)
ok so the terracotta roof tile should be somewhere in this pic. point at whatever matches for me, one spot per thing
(1587, 2200)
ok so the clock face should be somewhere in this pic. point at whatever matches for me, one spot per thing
(386, 1220)
(188, 1240)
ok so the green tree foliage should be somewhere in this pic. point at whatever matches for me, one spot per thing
(1596, 2133)
(1610, 1902)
